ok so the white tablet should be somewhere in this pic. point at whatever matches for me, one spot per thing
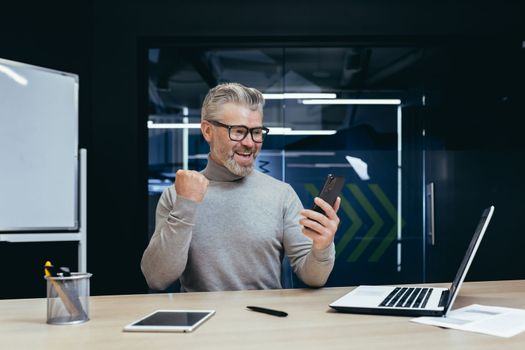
(170, 321)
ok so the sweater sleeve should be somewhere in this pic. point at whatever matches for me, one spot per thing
(165, 258)
(312, 267)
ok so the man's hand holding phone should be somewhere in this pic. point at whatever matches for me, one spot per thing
(320, 223)
(319, 227)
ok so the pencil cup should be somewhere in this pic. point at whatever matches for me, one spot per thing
(68, 298)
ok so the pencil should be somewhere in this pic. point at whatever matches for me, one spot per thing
(66, 299)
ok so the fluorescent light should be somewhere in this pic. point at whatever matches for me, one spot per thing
(299, 95)
(13, 75)
(152, 125)
(273, 130)
(290, 131)
(318, 165)
(354, 101)
(311, 132)
(279, 131)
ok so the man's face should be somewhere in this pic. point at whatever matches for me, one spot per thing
(236, 156)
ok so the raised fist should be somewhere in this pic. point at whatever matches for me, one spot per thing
(191, 185)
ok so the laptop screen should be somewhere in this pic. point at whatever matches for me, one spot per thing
(469, 256)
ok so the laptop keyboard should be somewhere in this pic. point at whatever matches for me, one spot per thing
(407, 297)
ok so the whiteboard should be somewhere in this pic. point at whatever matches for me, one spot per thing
(38, 149)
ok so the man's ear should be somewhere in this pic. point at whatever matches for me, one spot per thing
(206, 131)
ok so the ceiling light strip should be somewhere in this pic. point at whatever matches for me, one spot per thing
(352, 102)
(299, 95)
(309, 132)
(152, 125)
(273, 130)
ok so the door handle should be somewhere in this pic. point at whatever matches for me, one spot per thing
(431, 226)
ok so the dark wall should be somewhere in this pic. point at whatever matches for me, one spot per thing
(99, 40)
(475, 154)
(56, 35)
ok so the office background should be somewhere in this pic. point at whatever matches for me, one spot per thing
(472, 117)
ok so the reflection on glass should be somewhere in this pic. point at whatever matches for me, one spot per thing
(329, 110)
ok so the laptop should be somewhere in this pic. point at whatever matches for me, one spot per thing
(413, 300)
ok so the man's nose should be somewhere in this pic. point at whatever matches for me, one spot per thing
(248, 141)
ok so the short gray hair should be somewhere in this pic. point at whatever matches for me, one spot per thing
(230, 93)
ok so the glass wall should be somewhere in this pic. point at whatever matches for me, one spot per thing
(339, 110)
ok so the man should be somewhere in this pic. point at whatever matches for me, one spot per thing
(228, 227)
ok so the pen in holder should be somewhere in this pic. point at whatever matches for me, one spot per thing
(68, 298)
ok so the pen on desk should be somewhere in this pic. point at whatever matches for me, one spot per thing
(268, 311)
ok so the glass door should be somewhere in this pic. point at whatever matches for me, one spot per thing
(339, 110)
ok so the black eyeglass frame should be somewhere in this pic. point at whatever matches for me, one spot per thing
(247, 131)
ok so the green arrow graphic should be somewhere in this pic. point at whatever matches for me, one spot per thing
(352, 230)
(390, 209)
(378, 222)
(312, 190)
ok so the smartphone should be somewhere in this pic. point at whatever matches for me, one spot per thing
(331, 190)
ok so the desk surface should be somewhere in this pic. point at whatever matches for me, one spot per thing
(311, 324)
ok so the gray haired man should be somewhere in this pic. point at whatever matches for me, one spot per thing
(229, 227)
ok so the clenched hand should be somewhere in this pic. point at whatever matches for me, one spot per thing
(191, 185)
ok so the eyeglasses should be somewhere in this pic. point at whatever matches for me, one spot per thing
(239, 132)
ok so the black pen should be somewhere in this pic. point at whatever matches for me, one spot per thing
(268, 311)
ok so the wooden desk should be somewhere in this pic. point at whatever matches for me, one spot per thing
(311, 324)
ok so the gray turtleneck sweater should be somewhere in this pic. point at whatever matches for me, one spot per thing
(234, 239)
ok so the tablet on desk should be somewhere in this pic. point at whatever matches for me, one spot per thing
(170, 321)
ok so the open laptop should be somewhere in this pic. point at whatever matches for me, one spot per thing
(413, 300)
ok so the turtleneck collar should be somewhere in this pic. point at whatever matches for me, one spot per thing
(217, 172)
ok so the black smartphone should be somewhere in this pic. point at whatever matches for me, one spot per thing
(331, 190)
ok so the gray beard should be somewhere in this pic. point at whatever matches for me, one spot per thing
(236, 169)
